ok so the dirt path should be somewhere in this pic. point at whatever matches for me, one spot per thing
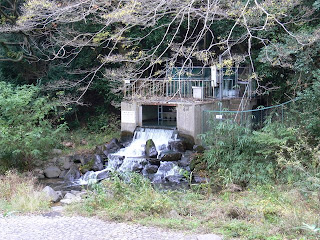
(57, 227)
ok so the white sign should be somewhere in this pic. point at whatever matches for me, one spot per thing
(218, 116)
(128, 116)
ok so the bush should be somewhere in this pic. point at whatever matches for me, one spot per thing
(275, 153)
(26, 133)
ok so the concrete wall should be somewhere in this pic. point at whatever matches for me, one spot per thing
(189, 115)
(129, 116)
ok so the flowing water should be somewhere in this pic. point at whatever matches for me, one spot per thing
(132, 158)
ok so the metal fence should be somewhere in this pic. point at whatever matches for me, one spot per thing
(252, 119)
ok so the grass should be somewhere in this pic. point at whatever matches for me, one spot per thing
(20, 194)
(84, 140)
(263, 212)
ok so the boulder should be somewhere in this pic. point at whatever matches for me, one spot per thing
(185, 161)
(98, 163)
(188, 140)
(63, 173)
(177, 146)
(65, 162)
(150, 149)
(150, 169)
(154, 161)
(126, 138)
(112, 147)
(70, 198)
(99, 149)
(52, 172)
(72, 174)
(51, 194)
(198, 148)
(170, 156)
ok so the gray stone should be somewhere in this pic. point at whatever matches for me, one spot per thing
(150, 149)
(209, 237)
(170, 156)
(70, 198)
(113, 146)
(188, 140)
(63, 173)
(198, 148)
(65, 162)
(151, 169)
(52, 172)
(51, 194)
(98, 163)
(72, 174)
(177, 146)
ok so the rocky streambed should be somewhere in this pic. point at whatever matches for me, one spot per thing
(161, 155)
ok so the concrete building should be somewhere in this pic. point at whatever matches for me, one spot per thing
(178, 101)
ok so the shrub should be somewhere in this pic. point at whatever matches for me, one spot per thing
(26, 132)
(275, 153)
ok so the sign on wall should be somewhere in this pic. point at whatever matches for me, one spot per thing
(128, 116)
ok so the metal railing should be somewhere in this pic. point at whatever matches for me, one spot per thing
(193, 83)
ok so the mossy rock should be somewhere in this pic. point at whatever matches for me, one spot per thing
(86, 167)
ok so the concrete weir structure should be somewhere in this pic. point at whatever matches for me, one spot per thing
(185, 116)
(179, 100)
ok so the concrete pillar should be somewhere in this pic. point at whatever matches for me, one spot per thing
(129, 116)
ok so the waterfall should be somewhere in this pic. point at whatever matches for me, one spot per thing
(160, 137)
(132, 158)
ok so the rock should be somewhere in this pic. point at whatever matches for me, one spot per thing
(185, 161)
(177, 146)
(170, 156)
(52, 172)
(56, 151)
(150, 169)
(72, 174)
(99, 149)
(63, 173)
(188, 140)
(168, 171)
(113, 146)
(51, 194)
(154, 161)
(126, 138)
(198, 148)
(209, 237)
(70, 198)
(150, 149)
(65, 162)
(98, 163)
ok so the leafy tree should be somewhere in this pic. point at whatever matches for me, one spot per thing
(26, 133)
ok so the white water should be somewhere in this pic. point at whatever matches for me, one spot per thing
(133, 154)
(160, 137)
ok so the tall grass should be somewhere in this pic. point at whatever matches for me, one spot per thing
(263, 212)
(20, 193)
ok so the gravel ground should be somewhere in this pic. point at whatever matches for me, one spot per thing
(54, 226)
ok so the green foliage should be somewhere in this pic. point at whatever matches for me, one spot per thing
(309, 108)
(25, 131)
(273, 154)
